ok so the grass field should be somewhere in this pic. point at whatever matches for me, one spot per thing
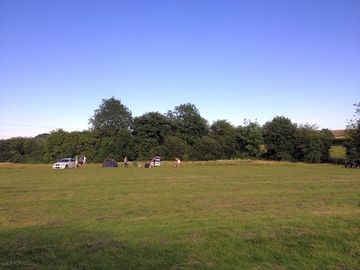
(216, 215)
(337, 152)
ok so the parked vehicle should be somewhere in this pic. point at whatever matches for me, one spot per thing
(64, 163)
(155, 162)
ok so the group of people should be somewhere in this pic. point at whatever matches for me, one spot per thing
(151, 163)
(80, 161)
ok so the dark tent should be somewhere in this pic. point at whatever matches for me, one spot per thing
(109, 163)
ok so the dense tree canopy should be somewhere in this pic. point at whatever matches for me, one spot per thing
(225, 135)
(312, 145)
(183, 133)
(112, 125)
(205, 148)
(21, 150)
(174, 147)
(111, 117)
(150, 131)
(280, 138)
(353, 135)
(188, 122)
(250, 140)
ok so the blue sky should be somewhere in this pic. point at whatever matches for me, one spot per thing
(232, 59)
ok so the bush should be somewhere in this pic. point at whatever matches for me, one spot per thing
(280, 139)
(205, 148)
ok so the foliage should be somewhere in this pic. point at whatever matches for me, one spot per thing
(182, 133)
(188, 123)
(205, 148)
(353, 136)
(327, 139)
(57, 145)
(150, 132)
(280, 138)
(111, 117)
(5, 151)
(225, 135)
(21, 150)
(117, 146)
(173, 147)
(249, 140)
(309, 146)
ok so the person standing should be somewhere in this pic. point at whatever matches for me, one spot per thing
(76, 161)
(126, 165)
(177, 162)
(81, 160)
(84, 161)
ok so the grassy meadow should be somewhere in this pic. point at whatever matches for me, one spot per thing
(204, 215)
(338, 153)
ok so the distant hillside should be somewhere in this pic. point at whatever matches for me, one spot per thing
(42, 137)
(339, 133)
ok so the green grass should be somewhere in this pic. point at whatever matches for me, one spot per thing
(337, 152)
(216, 215)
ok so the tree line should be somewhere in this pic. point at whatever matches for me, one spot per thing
(181, 132)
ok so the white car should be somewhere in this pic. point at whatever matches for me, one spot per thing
(64, 163)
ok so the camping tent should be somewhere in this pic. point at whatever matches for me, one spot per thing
(109, 163)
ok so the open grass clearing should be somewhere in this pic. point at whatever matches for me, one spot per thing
(205, 215)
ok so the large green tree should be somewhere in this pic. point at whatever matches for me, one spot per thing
(118, 146)
(205, 148)
(150, 132)
(353, 135)
(249, 140)
(280, 138)
(4, 151)
(225, 135)
(54, 146)
(112, 124)
(190, 125)
(183, 133)
(112, 116)
(24, 150)
(312, 145)
(174, 147)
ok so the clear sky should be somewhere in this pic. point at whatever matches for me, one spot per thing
(233, 59)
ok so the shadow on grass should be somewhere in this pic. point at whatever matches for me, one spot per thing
(59, 248)
(290, 247)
